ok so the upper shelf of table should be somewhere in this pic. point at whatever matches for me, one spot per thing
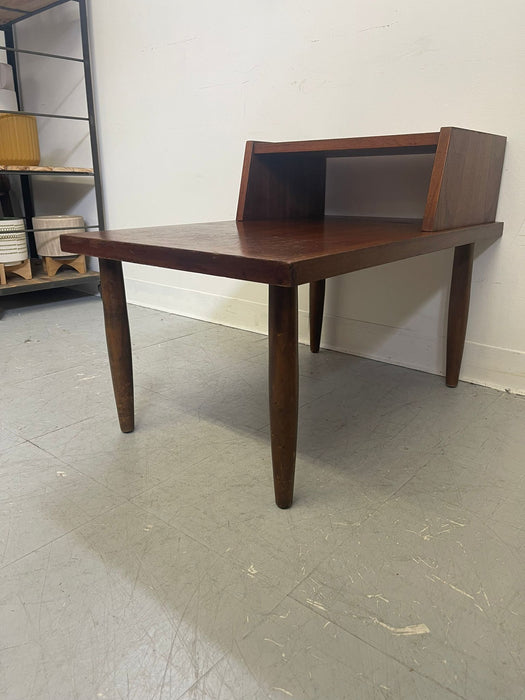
(286, 180)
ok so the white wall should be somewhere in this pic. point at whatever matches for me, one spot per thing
(181, 86)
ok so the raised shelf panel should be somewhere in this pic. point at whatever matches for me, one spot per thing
(282, 186)
(465, 182)
(365, 145)
(286, 180)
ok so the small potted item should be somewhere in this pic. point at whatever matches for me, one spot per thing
(47, 230)
(13, 249)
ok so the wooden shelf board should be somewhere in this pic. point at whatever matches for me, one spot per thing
(281, 252)
(403, 143)
(63, 278)
(43, 169)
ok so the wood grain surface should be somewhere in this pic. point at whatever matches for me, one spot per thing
(118, 341)
(283, 378)
(465, 182)
(283, 253)
(289, 186)
(361, 145)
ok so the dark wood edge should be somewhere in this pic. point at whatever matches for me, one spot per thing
(356, 143)
(436, 178)
(220, 265)
(427, 242)
(248, 151)
(444, 208)
(279, 272)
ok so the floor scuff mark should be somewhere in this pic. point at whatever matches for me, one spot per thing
(407, 631)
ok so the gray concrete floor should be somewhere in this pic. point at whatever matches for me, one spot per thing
(155, 564)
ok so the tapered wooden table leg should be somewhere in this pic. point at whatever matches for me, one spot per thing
(316, 313)
(458, 310)
(284, 389)
(118, 340)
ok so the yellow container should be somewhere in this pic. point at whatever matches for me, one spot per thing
(18, 140)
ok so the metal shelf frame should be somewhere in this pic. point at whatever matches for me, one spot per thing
(19, 12)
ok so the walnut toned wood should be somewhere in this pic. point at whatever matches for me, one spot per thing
(458, 307)
(361, 145)
(286, 180)
(465, 181)
(317, 292)
(243, 188)
(118, 341)
(283, 389)
(289, 186)
(16, 9)
(285, 253)
(282, 239)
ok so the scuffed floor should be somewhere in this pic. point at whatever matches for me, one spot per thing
(155, 565)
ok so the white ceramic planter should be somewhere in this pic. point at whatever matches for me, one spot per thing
(13, 242)
(48, 230)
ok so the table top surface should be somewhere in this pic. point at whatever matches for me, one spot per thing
(280, 252)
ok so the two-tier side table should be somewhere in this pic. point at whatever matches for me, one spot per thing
(282, 238)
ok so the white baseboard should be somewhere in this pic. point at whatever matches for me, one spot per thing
(499, 368)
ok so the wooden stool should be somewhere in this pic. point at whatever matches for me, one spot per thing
(22, 269)
(53, 265)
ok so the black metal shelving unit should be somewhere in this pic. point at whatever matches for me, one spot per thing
(11, 13)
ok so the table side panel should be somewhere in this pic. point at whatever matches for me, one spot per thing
(465, 181)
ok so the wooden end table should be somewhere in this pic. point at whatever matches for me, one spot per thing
(281, 238)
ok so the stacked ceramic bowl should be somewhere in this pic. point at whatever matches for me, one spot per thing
(48, 230)
(18, 132)
(13, 243)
